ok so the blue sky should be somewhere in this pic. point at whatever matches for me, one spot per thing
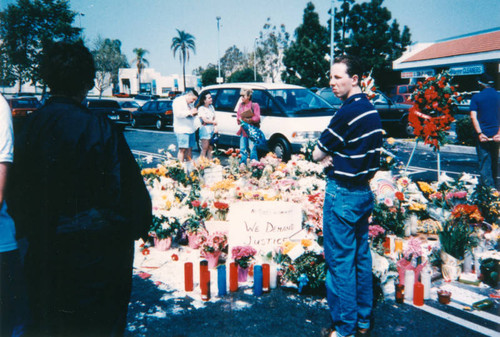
(151, 24)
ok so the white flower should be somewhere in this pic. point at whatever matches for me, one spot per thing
(148, 159)
(172, 148)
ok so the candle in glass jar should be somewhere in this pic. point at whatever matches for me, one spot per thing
(398, 245)
(418, 294)
(265, 277)
(233, 277)
(205, 285)
(257, 280)
(400, 293)
(188, 276)
(409, 283)
(273, 276)
(221, 280)
(425, 277)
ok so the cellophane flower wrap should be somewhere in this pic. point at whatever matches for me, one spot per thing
(434, 103)
(242, 255)
(212, 242)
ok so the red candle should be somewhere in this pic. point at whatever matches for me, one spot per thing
(205, 285)
(233, 277)
(418, 294)
(203, 269)
(188, 276)
(265, 277)
(400, 293)
(387, 245)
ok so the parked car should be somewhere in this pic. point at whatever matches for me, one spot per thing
(404, 90)
(129, 105)
(394, 115)
(291, 115)
(142, 99)
(173, 94)
(157, 113)
(23, 106)
(110, 108)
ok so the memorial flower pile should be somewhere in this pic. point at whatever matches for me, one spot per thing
(213, 242)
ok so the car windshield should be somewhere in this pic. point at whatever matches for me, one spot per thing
(298, 101)
(104, 104)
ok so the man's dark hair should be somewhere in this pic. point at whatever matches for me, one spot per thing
(353, 64)
(67, 68)
(192, 92)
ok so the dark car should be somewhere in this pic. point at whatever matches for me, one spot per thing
(394, 115)
(23, 106)
(157, 113)
(129, 105)
(110, 108)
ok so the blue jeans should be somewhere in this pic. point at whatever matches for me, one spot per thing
(349, 284)
(246, 146)
(487, 155)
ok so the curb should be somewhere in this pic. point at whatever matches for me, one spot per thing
(410, 143)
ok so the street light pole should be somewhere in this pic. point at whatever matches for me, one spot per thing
(218, 48)
(255, 60)
(331, 31)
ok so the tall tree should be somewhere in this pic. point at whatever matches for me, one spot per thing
(271, 44)
(243, 75)
(182, 43)
(108, 60)
(233, 60)
(27, 26)
(208, 75)
(305, 58)
(371, 36)
(141, 62)
(7, 77)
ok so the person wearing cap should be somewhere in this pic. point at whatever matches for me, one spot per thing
(485, 116)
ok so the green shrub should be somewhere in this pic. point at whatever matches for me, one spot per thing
(465, 131)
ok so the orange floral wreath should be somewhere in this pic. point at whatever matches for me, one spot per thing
(434, 103)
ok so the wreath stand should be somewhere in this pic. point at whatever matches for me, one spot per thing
(438, 160)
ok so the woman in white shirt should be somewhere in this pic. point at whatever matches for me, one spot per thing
(206, 113)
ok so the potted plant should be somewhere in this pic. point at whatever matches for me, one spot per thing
(242, 255)
(456, 237)
(163, 229)
(212, 245)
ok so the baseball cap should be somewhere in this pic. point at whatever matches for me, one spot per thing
(485, 78)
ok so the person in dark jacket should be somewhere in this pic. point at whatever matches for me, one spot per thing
(80, 200)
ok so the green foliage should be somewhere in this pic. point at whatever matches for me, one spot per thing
(140, 62)
(165, 227)
(488, 203)
(364, 30)
(391, 217)
(305, 58)
(28, 25)
(465, 131)
(209, 76)
(108, 59)
(233, 60)
(456, 237)
(244, 75)
(311, 264)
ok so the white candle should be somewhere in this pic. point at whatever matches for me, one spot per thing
(414, 224)
(468, 262)
(425, 277)
(273, 276)
(407, 229)
(392, 241)
(409, 283)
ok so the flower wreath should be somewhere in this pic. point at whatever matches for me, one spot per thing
(368, 86)
(434, 102)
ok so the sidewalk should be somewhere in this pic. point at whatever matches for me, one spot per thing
(449, 148)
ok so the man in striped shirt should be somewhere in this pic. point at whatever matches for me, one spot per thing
(351, 145)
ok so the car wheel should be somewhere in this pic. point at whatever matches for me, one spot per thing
(281, 148)
(408, 129)
(133, 123)
(159, 124)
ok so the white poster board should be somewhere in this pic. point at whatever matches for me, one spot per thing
(212, 175)
(264, 225)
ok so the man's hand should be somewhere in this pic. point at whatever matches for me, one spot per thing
(483, 138)
(496, 138)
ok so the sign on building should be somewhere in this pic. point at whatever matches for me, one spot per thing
(417, 73)
(472, 69)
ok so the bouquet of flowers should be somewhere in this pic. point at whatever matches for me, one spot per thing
(213, 242)
(376, 234)
(242, 255)
(434, 102)
(221, 209)
(390, 214)
(164, 227)
(412, 259)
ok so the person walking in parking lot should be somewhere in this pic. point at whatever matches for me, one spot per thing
(485, 116)
(206, 113)
(184, 124)
(248, 112)
(352, 143)
(79, 198)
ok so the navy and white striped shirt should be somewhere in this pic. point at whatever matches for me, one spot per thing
(353, 139)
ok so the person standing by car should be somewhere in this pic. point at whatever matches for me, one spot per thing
(11, 280)
(485, 116)
(206, 113)
(248, 112)
(351, 143)
(184, 124)
(80, 207)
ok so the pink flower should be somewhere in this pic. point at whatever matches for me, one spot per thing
(413, 248)
(388, 202)
(375, 230)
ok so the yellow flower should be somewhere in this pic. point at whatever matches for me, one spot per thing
(425, 187)
(306, 242)
(390, 141)
(288, 246)
(416, 206)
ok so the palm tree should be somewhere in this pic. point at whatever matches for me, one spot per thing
(140, 62)
(183, 43)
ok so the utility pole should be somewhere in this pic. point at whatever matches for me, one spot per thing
(219, 78)
(332, 25)
(255, 60)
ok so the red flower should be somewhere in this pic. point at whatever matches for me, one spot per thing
(221, 205)
(145, 251)
(204, 205)
(175, 257)
(196, 203)
(400, 196)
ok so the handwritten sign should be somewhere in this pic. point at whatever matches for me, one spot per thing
(264, 225)
(212, 175)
